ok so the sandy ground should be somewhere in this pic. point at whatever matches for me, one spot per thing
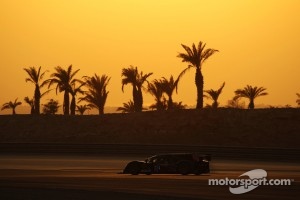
(96, 177)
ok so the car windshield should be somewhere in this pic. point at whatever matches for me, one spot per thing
(151, 159)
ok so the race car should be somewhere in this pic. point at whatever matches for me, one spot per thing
(173, 163)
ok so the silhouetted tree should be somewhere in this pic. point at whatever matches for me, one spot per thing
(136, 79)
(298, 100)
(51, 107)
(214, 95)
(235, 103)
(74, 91)
(63, 80)
(196, 56)
(82, 108)
(162, 106)
(130, 77)
(127, 107)
(36, 77)
(155, 89)
(178, 105)
(30, 102)
(168, 87)
(11, 105)
(250, 93)
(97, 94)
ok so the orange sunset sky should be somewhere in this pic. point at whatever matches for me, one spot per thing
(258, 40)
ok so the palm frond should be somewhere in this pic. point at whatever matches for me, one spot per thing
(129, 76)
(214, 94)
(42, 75)
(82, 108)
(11, 105)
(250, 93)
(188, 50)
(6, 106)
(29, 80)
(141, 78)
(74, 74)
(169, 85)
(44, 83)
(97, 94)
(155, 89)
(28, 101)
(45, 93)
(32, 73)
(184, 71)
(208, 53)
(298, 100)
(196, 55)
(179, 105)
(128, 107)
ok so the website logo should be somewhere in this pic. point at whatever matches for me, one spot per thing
(256, 178)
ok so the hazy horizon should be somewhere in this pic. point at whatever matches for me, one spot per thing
(258, 43)
(23, 109)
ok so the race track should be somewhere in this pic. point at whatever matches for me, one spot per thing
(55, 176)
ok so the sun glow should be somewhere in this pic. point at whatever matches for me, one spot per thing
(258, 43)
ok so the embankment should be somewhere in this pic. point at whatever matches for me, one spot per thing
(276, 128)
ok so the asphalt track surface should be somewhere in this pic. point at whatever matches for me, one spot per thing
(84, 176)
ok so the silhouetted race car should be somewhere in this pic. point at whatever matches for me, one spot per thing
(175, 163)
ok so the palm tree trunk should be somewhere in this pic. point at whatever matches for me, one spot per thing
(32, 110)
(73, 105)
(37, 99)
(251, 104)
(135, 98)
(13, 111)
(159, 105)
(66, 103)
(199, 84)
(140, 100)
(101, 110)
(170, 103)
(215, 104)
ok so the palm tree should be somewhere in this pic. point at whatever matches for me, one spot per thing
(155, 89)
(82, 108)
(214, 95)
(63, 80)
(127, 107)
(178, 105)
(196, 57)
(74, 91)
(250, 93)
(36, 77)
(141, 79)
(96, 95)
(130, 77)
(51, 107)
(30, 102)
(298, 100)
(11, 105)
(235, 103)
(162, 106)
(168, 87)
(136, 79)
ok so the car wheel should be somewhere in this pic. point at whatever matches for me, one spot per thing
(197, 172)
(134, 169)
(184, 168)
